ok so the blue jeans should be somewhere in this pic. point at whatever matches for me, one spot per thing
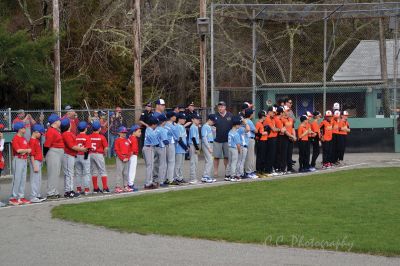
(111, 145)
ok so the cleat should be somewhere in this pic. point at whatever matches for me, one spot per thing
(13, 202)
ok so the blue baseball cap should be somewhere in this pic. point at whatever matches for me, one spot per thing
(122, 130)
(18, 125)
(181, 116)
(248, 112)
(38, 128)
(112, 113)
(196, 116)
(96, 125)
(170, 114)
(160, 101)
(82, 125)
(153, 120)
(134, 128)
(162, 118)
(65, 122)
(53, 118)
(213, 117)
(236, 120)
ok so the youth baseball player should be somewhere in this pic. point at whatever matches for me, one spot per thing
(82, 160)
(207, 146)
(35, 163)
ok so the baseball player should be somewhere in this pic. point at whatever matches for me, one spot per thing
(171, 128)
(161, 150)
(249, 166)
(21, 150)
(316, 139)
(180, 149)
(326, 139)
(344, 129)
(234, 150)
(194, 147)
(262, 137)
(54, 151)
(207, 146)
(150, 141)
(244, 132)
(71, 148)
(136, 133)
(122, 148)
(82, 161)
(303, 133)
(2, 163)
(270, 127)
(97, 164)
(35, 163)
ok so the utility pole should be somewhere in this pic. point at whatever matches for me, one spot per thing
(57, 76)
(137, 60)
(203, 59)
(383, 63)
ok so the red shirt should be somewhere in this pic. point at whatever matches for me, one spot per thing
(134, 145)
(17, 119)
(301, 130)
(271, 123)
(53, 139)
(83, 140)
(98, 142)
(69, 142)
(73, 122)
(122, 148)
(19, 143)
(326, 130)
(36, 149)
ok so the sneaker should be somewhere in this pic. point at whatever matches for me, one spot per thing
(118, 190)
(312, 169)
(288, 172)
(53, 197)
(97, 190)
(204, 179)
(72, 194)
(193, 182)
(227, 178)
(13, 201)
(106, 191)
(133, 188)
(24, 201)
(235, 179)
(37, 200)
(164, 184)
(85, 192)
(127, 189)
(211, 180)
(275, 174)
(175, 183)
(66, 194)
(151, 186)
(181, 181)
(254, 175)
(2, 204)
(79, 190)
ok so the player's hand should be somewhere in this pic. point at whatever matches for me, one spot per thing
(83, 149)
(210, 150)
(35, 169)
(28, 150)
(125, 160)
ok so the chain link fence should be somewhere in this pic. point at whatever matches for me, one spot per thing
(314, 54)
(30, 117)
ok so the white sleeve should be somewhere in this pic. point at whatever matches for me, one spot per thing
(1, 144)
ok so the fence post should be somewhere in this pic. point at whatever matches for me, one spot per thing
(9, 145)
(108, 134)
(212, 58)
(254, 70)
(325, 62)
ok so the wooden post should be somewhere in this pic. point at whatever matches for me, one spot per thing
(383, 63)
(137, 60)
(57, 76)
(203, 60)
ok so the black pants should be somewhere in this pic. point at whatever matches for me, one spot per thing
(326, 152)
(304, 154)
(284, 141)
(278, 154)
(271, 152)
(289, 155)
(261, 151)
(340, 147)
(334, 156)
(315, 150)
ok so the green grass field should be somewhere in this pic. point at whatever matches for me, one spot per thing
(355, 210)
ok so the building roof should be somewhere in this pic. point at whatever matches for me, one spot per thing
(363, 63)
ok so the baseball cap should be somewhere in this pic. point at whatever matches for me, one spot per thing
(68, 108)
(17, 126)
(160, 102)
(181, 116)
(279, 109)
(336, 113)
(20, 111)
(316, 113)
(336, 106)
(286, 108)
(303, 118)
(65, 122)
(38, 128)
(153, 120)
(328, 113)
(345, 113)
(53, 118)
(134, 128)
(196, 116)
(101, 113)
(261, 113)
(191, 104)
(148, 104)
(82, 125)
(112, 113)
(170, 114)
(309, 114)
(122, 129)
(248, 112)
(212, 117)
(236, 120)
(245, 105)
(96, 125)
(222, 103)
(162, 118)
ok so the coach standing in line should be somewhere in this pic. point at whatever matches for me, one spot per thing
(73, 118)
(143, 121)
(222, 125)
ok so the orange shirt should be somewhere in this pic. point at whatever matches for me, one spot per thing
(289, 124)
(326, 128)
(260, 129)
(279, 124)
(335, 125)
(343, 123)
(315, 127)
(271, 123)
(301, 130)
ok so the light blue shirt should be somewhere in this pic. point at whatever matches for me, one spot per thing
(194, 133)
(207, 133)
(173, 134)
(162, 134)
(151, 137)
(233, 138)
(244, 136)
(252, 128)
(181, 134)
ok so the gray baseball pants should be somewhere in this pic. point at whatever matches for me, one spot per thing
(232, 162)
(82, 171)
(194, 159)
(18, 186)
(249, 166)
(148, 155)
(179, 159)
(241, 161)
(208, 166)
(170, 162)
(36, 179)
(122, 172)
(97, 165)
(68, 168)
(161, 154)
(54, 159)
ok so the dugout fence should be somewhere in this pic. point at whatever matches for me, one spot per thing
(315, 54)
